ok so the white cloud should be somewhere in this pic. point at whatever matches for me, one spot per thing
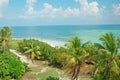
(71, 12)
(86, 9)
(50, 11)
(30, 6)
(117, 9)
(3, 3)
(47, 11)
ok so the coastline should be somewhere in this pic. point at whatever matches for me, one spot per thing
(52, 43)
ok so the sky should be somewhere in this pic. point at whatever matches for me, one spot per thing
(59, 12)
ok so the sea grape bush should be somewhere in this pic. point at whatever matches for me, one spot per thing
(11, 67)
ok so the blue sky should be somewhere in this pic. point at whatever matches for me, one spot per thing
(59, 12)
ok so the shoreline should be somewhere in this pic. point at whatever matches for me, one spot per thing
(52, 43)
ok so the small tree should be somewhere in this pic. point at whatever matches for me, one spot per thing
(5, 36)
(31, 49)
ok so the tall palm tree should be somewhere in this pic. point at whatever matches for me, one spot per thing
(77, 57)
(5, 36)
(107, 67)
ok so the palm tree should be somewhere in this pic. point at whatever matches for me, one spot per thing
(5, 36)
(107, 68)
(77, 57)
(118, 42)
(109, 42)
(32, 50)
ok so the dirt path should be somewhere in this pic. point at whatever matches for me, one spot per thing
(38, 67)
(23, 58)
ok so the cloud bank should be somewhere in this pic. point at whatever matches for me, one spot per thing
(85, 9)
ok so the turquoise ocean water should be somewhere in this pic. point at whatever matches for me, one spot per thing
(57, 35)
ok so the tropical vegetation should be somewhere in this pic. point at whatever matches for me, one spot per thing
(10, 65)
(108, 66)
(104, 57)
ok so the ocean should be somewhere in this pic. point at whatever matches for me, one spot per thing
(57, 35)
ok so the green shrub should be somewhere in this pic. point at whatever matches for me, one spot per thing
(11, 67)
(45, 49)
(52, 78)
(55, 56)
(59, 57)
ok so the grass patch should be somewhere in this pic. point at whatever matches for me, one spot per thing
(48, 72)
(45, 72)
(35, 69)
(13, 44)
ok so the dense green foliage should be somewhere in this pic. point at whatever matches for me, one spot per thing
(11, 67)
(35, 49)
